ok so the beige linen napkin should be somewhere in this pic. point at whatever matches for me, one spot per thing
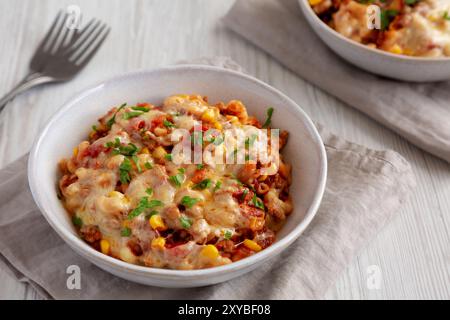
(418, 112)
(364, 190)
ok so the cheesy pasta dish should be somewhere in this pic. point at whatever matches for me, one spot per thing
(409, 27)
(130, 199)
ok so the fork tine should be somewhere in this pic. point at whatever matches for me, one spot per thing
(56, 39)
(49, 33)
(84, 35)
(88, 42)
(94, 49)
(68, 34)
(74, 35)
(55, 33)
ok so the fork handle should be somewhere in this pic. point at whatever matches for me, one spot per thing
(31, 80)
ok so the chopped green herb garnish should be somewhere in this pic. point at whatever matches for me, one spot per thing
(386, 16)
(149, 191)
(132, 114)
(244, 194)
(77, 221)
(136, 162)
(125, 232)
(269, 118)
(168, 124)
(118, 148)
(112, 120)
(177, 179)
(446, 16)
(202, 185)
(144, 204)
(185, 222)
(227, 235)
(124, 171)
(257, 202)
(139, 108)
(218, 185)
(181, 170)
(168, 157)
(128, 150)
(148, 165)
(188, 202)
(200, 166)
(251, 140)
(94, 127)
(410, 2)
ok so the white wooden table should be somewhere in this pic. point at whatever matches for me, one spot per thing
(412, 251)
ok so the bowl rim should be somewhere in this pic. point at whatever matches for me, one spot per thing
(81, 247)
(306, 6)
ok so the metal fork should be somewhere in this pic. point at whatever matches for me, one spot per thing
(63, 52)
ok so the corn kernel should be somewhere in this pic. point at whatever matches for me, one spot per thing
(314, 2)
(159, 153)
(157, 223)
(145, 150)
(116, 194)
(252, 245)
(210, 251)
(104, 246)
(208, 116)
(158, 243)
(396, 49)
(233, 119)
(408, 52)
(75, 151)
(218, 125)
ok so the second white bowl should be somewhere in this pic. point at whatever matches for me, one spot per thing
(400, 67)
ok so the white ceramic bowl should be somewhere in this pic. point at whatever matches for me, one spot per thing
(69, 126)
(400, 67)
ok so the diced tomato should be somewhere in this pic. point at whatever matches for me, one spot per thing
(241, 253)
(199, 175)
(137, 124)
(157, 122)
(94, 150)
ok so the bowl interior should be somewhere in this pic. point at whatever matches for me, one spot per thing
(73, 122)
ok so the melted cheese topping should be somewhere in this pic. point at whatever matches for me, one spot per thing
(131, 200)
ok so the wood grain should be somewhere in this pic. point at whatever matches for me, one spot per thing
(412, 251)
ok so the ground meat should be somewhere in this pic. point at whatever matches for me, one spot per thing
(134, 246)
(91, 233)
